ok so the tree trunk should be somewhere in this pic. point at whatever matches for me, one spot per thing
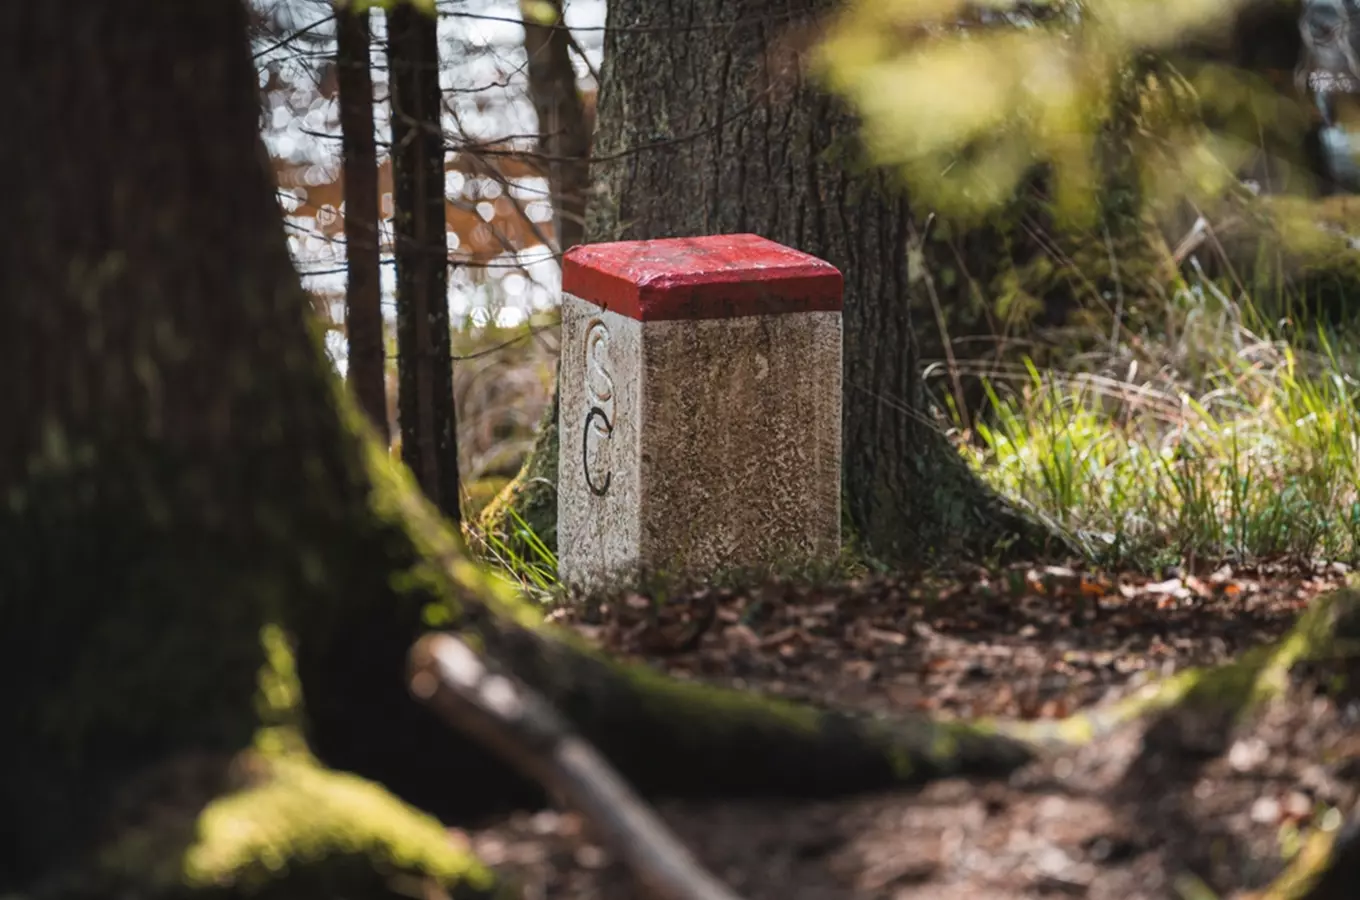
(187, 492)
(177, 476)
(429, 438)
(564, 129)
(707, 124)
(367, 371)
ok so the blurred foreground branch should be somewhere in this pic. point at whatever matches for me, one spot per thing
(524, 729)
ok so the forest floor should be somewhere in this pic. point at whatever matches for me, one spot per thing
(1135, 814)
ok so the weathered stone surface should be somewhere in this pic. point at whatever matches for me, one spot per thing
(700, 408)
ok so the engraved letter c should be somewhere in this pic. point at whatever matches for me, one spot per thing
(605, 429)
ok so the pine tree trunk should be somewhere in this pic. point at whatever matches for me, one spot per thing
(367, 360)
(429, 438)
(180, 474)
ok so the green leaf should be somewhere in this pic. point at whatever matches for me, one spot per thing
(361, 6)
(539, 12)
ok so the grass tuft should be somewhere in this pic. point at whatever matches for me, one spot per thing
(521, 557)
(1222, 440)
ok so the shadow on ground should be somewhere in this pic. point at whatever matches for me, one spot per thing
(1170, 809)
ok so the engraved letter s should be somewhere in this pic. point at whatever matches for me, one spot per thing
(599, 419)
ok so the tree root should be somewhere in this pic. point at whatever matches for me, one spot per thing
(1326, 868)
(266, 826)
(1327, 635)
(673, 738)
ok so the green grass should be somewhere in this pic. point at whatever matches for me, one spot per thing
(522, 557)
(1216, 441)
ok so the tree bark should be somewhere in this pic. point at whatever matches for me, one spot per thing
(367, 370)
(429, 438)
(565, 132)
(564, 128)
(176, 474)
(205, 558)
(708, 124)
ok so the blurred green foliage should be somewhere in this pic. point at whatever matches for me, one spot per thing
(970, 100)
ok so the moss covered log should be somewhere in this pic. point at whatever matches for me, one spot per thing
(184, 485)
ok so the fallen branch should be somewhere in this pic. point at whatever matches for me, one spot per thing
(525, 730)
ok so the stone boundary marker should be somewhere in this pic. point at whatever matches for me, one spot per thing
(700, 417)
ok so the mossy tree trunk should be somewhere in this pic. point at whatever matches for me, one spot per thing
(707, 123)
(183, 486)
(176, 470)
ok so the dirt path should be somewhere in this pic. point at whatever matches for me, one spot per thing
(1142, 813)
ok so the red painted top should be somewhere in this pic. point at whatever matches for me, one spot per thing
(719, 276)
